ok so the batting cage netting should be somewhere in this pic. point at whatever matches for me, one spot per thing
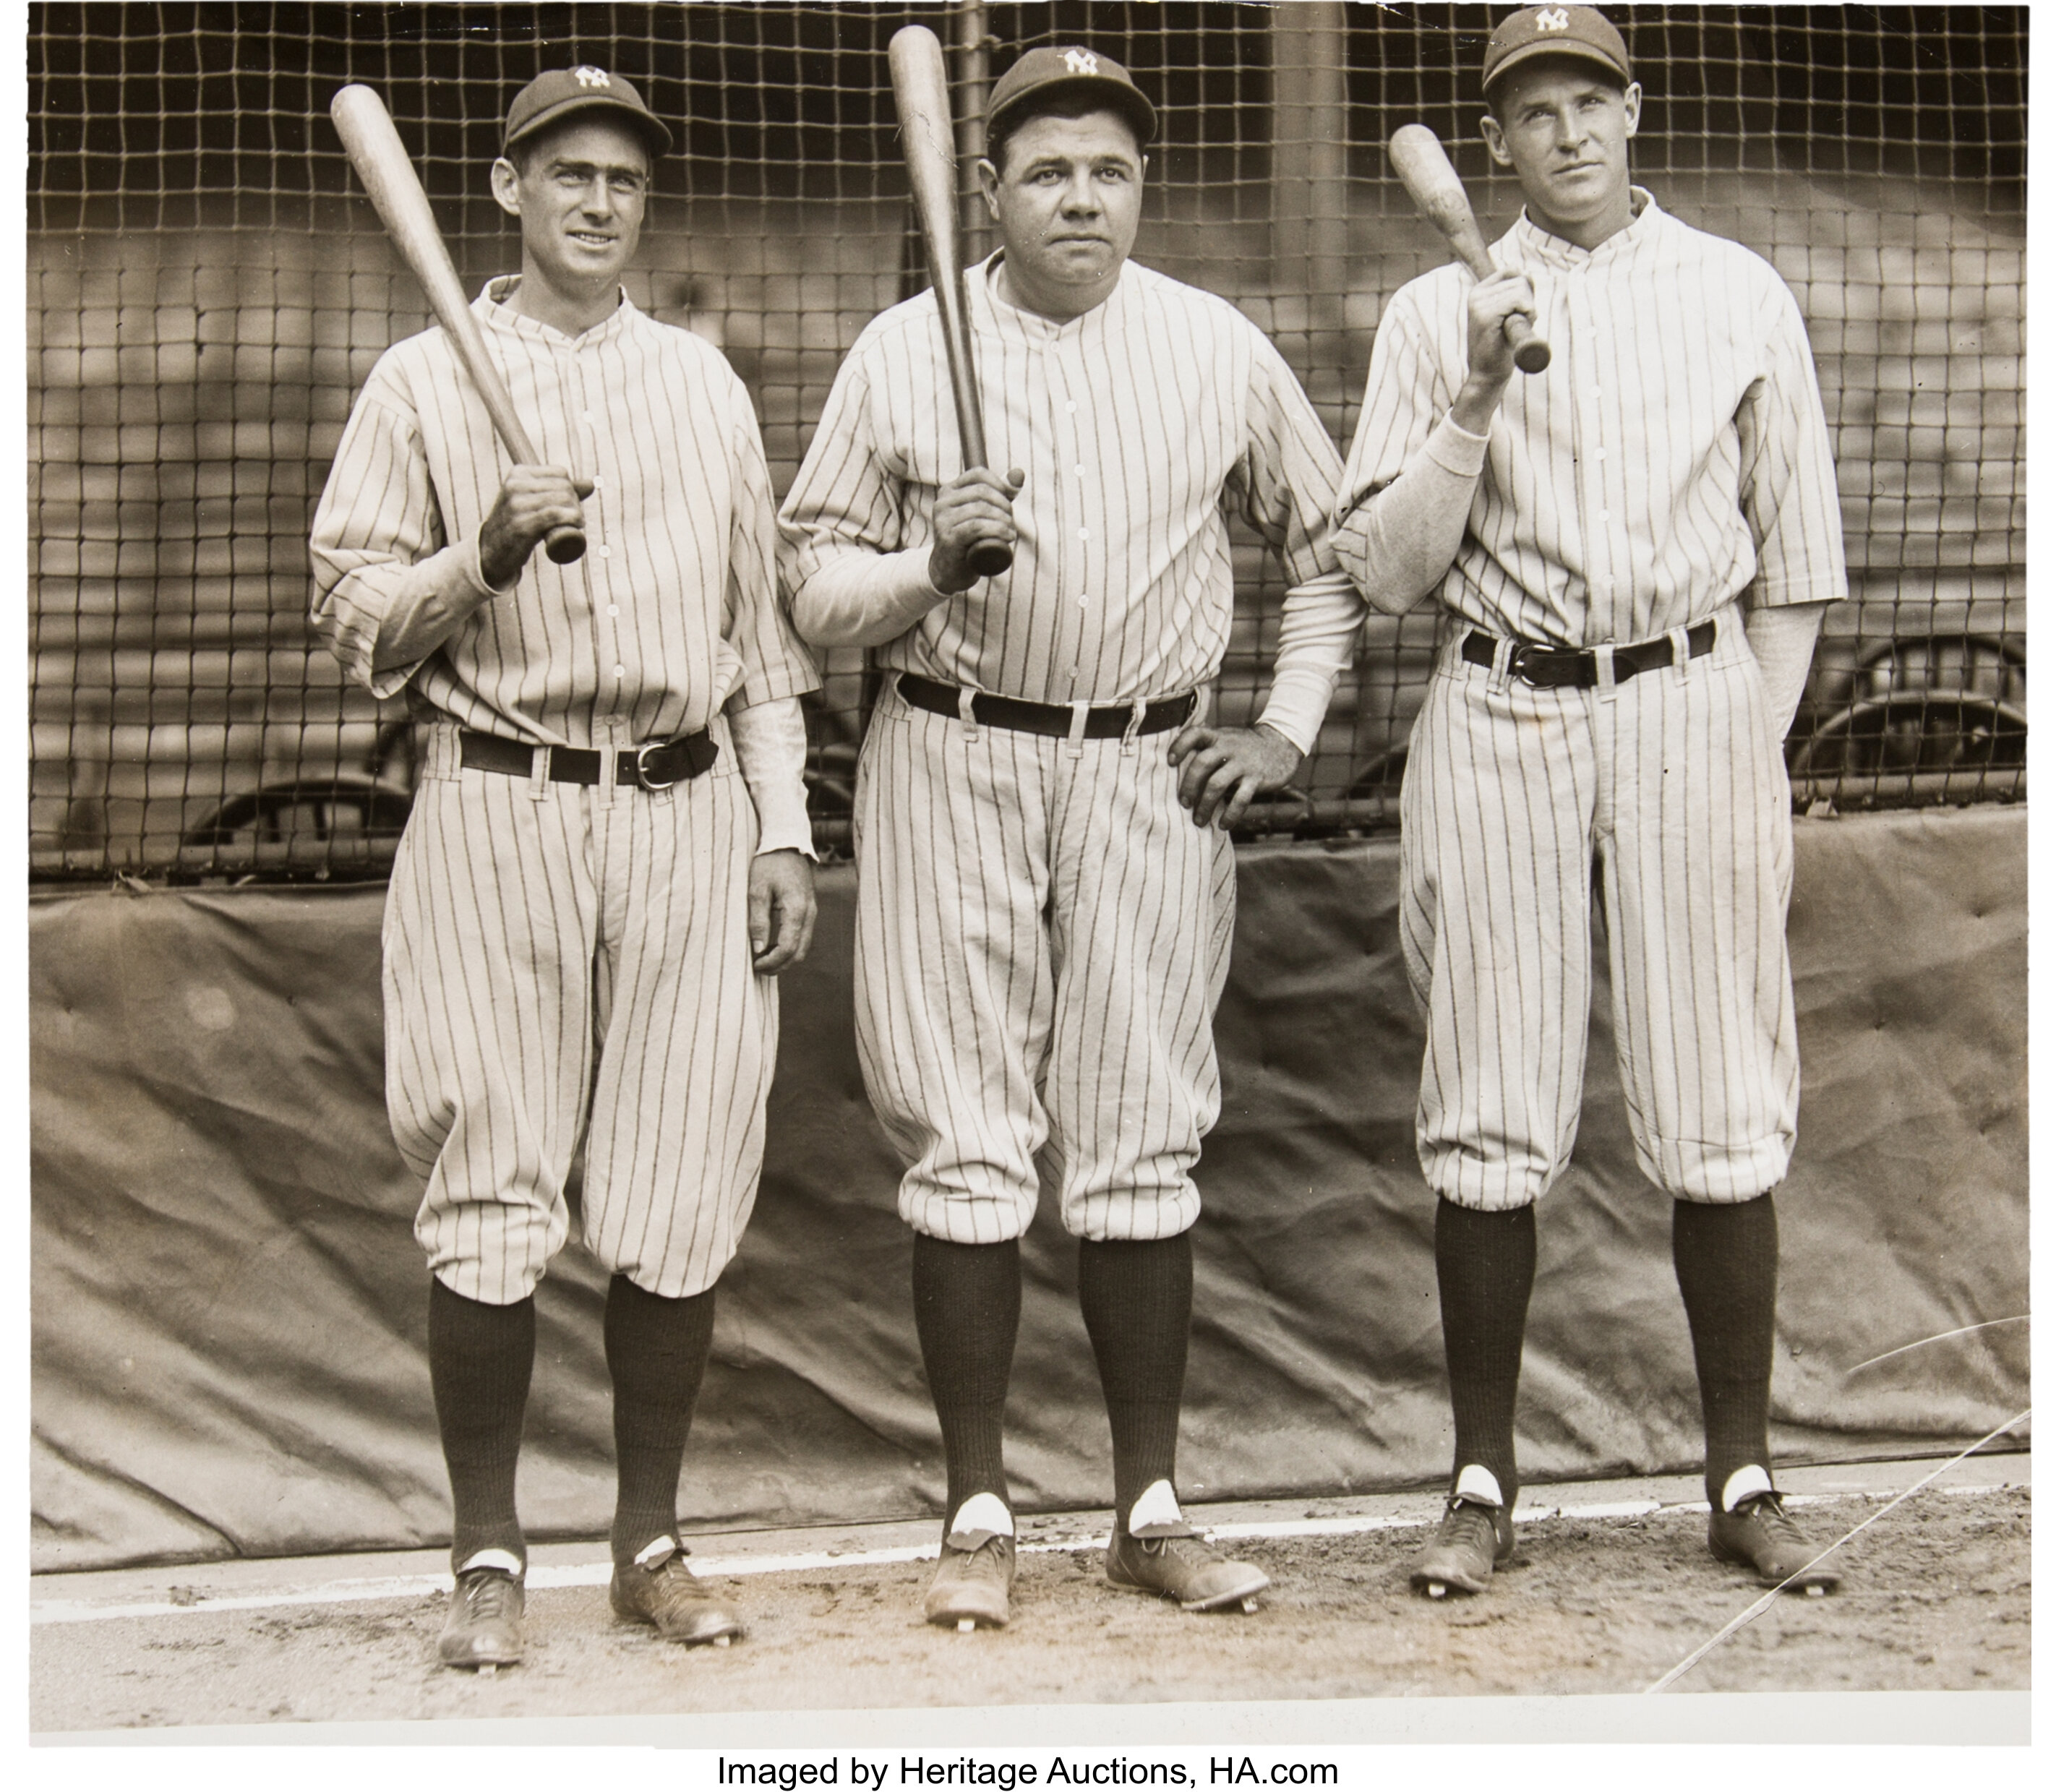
(207, 288)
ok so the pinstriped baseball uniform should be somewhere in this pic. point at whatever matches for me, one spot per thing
(1671, 461)
(556, 950)
(1042, 931)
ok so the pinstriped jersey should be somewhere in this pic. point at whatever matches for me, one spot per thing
(674, 608)
(1136, 425)
(1672, 455)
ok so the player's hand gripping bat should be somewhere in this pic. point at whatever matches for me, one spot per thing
(1433, 185)
(921, 89)
(381, 160)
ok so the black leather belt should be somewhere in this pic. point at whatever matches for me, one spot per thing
(656, 766)
(1105, 722)
(1548, 668)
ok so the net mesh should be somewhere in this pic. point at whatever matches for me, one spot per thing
(207, 288)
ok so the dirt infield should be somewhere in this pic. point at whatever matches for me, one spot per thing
(1936, 1597)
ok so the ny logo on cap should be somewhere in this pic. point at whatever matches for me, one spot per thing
(587, 77)
(1082, 61)
(1552, 19)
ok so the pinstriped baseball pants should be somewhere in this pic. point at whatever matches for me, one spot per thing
(562, 958)
(1675, 786)
(1042, 938)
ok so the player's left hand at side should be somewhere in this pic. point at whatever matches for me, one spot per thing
(782, 910)
(1226, 769)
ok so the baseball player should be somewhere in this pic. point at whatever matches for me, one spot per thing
(1634, 549)
(1042, 932)
(608, 859)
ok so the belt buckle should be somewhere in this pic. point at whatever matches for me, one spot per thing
(1516, 662)
(643, 769)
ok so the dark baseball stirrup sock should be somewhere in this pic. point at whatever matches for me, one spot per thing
(480, 1358)
(656, 1355)
(1727, 1256)
(1137, 1297)
(1485, 1267)
(968, 1310)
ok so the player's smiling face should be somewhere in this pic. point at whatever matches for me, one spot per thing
(579, 194)
(1067, 200)
(1563, 126)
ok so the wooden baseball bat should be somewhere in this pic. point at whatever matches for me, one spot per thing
(1433, 186)
(921, 89)
(381, 163)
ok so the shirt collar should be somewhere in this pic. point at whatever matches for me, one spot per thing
(989, 311)
(1546, 247)
(492, 304)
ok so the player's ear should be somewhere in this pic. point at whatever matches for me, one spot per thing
(1632, 99)
(507, 187)
(988, 184)
(1495, 140)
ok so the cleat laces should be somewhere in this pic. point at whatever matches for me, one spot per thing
(1472, 1525)
(485, 1595)
(1768, 1510)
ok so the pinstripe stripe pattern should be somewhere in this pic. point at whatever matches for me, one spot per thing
(1676, 788)
(1042, 932)
(576, 951)
(1043, 937)
(564, 960)
(1673, 454)
(1672, 460)
(1136, 425)
(674, 608)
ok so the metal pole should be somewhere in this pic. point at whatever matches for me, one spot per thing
(1309, 109)
(971, 77)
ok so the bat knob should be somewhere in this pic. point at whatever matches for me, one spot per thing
(990, 558)
(1532, 356)
(564, 544)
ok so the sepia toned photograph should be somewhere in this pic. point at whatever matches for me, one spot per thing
(1026, 874)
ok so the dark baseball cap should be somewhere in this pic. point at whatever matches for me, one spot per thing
(561, 92)
(1582, 32)
(1071, 66)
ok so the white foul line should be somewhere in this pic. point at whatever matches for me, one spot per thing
(596, 1574)
(1770, 1598)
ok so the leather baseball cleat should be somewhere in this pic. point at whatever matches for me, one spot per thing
(1177, 1562)
(664, 1593)
(482, 1628)
(972, 1586)
(1475, 1538)
(1759, 1534)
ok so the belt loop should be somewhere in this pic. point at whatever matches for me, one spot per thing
(1137, 712)
(1074, 742)
(1602, 670)
(1502, 665)
(967, 711)
(539, 774)
(1681, 652)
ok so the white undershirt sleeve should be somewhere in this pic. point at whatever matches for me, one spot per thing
(1782, 637)
(1399, 542)
(771, 751)
(857, 599)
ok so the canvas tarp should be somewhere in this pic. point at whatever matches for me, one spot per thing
(230, 1310)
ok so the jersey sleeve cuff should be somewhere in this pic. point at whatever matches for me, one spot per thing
(1298, 702)
(1455, 450)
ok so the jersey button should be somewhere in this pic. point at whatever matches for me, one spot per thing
(614, 609)
(1085, 534)
(621, 671)
(603, 550)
